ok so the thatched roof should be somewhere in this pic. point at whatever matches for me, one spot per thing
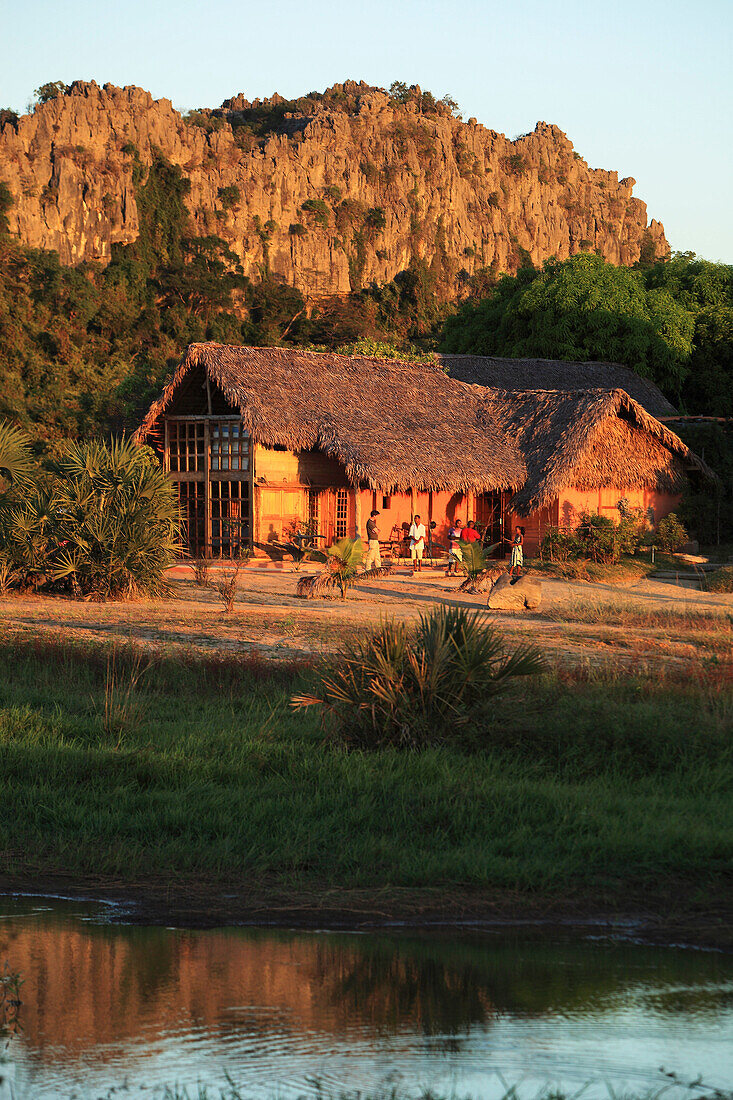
(391, 424)
(588, 439)
(409, 425)
(553, 374)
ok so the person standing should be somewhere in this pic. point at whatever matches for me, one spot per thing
(373, 559)
(455, 555)
(417, 543)
(470, 534)
(517, 558)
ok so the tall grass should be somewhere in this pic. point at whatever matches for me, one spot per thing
(570, 785)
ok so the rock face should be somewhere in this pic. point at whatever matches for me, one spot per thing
(383, 184)
(526, 592)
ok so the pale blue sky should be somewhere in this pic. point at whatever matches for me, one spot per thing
(641, 86)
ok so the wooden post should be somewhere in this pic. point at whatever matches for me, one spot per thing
(412, 504)
(208, 549)
(357, 512)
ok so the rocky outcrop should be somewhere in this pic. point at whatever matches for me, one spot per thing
(330, 198)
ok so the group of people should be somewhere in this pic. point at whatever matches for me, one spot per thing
(457, 534)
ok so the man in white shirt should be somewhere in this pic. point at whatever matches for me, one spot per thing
(417, 543)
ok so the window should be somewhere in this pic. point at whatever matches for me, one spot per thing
(191, 504)
(313, 511)
(386, 502)
(186, 446)
(229, 447)
(229, 504)
(342, 513)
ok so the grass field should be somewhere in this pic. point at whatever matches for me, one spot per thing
(587, 782)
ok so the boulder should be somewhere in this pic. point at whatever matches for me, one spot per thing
(515, 593)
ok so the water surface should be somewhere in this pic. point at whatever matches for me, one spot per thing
(106, 1004)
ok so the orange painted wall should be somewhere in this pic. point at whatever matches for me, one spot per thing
(574, 501)
(396, 509)
(566, 510)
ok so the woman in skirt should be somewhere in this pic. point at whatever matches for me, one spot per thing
(517, 558)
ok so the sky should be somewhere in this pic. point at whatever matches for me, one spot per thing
(640, 86)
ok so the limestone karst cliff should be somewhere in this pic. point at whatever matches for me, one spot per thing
(330, 193)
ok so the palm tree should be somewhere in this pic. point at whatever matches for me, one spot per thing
(16, 459)
(343, 559)
(481, 571)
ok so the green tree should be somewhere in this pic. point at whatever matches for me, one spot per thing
(581, 308)
(705, 290)
(50, 91)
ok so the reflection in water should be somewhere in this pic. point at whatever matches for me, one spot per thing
(102, 1002)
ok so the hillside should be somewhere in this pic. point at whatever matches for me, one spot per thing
(329, 192)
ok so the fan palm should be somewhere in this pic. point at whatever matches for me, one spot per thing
(116, 520)
(344, 559)
(416, 687)
(16, 459)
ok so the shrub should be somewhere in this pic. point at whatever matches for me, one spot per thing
(50, 91)
(318, 209)
(229, 196)
(375, 219)
(721, 580)
(226, 586)
(106, 525)
(670, 534)
(559, 545)
(413, 687)
(599, 538)
(297, 229)
(631, 526)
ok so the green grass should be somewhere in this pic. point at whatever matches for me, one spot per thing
(593, 783)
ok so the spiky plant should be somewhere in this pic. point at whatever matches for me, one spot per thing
(16, 459)
(414, 687)
(480, 569)
(343, 559)
(115, 520)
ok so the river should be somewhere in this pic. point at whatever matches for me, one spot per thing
(286, 1012)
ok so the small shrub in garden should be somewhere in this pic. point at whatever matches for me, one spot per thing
(598, 537)
(559, 545)
(201, 568)
(414, 687)
(226, 586)
(721, 580)
(670, 534)
(631, 526)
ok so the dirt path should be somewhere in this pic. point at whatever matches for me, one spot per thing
(578, 621)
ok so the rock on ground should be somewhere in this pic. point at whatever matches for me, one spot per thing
(515, 595)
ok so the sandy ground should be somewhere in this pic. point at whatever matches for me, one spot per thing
(268, 620)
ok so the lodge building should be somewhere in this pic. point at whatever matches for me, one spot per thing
(261, 440)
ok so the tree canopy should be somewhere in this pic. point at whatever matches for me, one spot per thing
(578, 309)
(671, 322)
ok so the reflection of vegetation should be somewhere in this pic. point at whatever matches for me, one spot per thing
(447, 982)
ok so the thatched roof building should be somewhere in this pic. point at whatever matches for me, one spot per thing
(403, 425)
(588, 439)
(361, 433)
(553, 374)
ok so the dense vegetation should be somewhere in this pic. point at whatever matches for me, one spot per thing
(671, 322)
(89, 347)
(85, 349)
(101, 521)
(117, 763)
